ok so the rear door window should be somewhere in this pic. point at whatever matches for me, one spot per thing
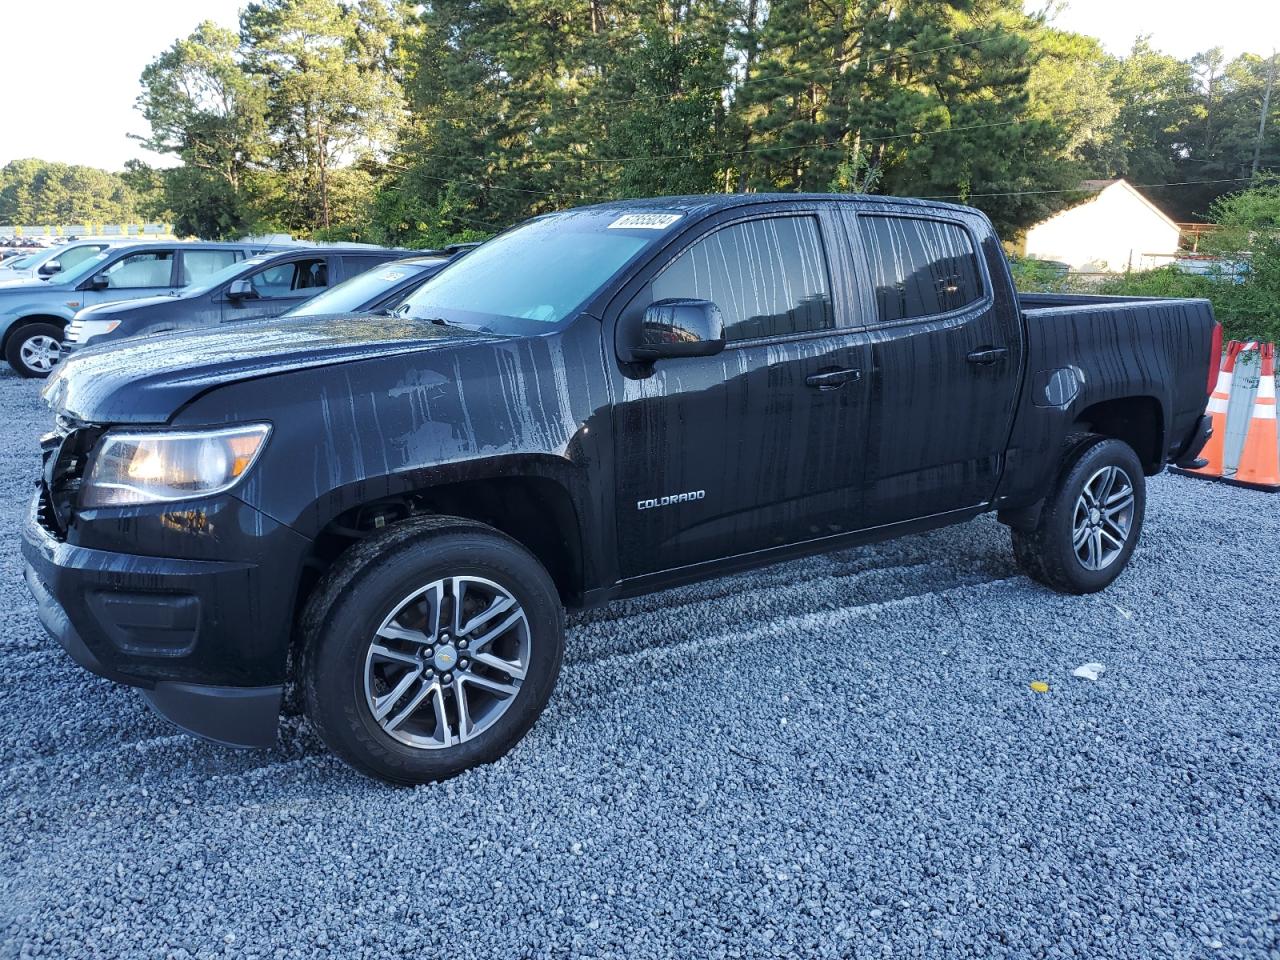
(355, 265)
(199, 265)
(919, 267)
(768, 277)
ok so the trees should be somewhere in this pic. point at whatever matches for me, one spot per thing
(40, 192)
(204, 108)
(330, 95)
(404, 122)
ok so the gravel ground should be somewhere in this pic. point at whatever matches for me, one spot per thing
(834, 757)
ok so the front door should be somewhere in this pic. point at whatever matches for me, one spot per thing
(761, 445)
(945, 366)
(148, 273)
(277, 288)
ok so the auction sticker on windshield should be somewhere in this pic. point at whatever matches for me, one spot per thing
(644, 221)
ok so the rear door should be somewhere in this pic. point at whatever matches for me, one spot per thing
(146, 273)
(761, 445)
(945, 363)
(278, 287)
(196, 266)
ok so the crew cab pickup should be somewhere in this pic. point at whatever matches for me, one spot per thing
(390, 514)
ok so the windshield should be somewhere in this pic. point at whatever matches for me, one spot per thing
(362, 290)
(18, 263)
(538, 274)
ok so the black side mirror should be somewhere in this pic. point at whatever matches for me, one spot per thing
(680, 328)
(50, 268)
(241, 290)
(99, 281)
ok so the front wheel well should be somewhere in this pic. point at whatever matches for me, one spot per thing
(1138, 421)
(535, 512)
(27, 321)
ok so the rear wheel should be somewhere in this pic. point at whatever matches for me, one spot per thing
(1090, 523)
(35, 349)
(432, 648)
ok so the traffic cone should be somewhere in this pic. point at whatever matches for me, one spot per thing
(1260, 459)
(1215, 446)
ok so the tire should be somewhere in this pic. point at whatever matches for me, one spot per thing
(1053, 552)
(29, 346)
(386, 589)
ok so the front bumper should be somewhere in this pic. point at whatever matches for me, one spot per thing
(204, 640)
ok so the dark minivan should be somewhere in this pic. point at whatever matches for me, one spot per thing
(261, 287)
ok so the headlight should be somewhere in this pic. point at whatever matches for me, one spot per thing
(156, 467)
(82, 331)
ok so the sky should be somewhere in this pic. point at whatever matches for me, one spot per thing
(72, 78)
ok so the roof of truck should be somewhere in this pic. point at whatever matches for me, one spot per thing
(709, 203)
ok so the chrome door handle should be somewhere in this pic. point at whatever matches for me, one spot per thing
(832, 379)
(988, 356)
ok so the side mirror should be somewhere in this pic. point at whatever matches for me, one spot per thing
(50, 268)
(241, 289)
(99, 281)
(680, 328)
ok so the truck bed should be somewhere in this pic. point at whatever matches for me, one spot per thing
(1044, 301)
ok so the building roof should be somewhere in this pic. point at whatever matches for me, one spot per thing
(1097, 187)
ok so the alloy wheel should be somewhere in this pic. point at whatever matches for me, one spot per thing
(447, 662)
(1103, 518)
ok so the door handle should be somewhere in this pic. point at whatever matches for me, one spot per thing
(832, 379)
(987, 356)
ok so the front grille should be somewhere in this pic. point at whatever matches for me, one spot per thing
(44, 514)
(73, 331)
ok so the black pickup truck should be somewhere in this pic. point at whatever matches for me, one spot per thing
(392, 512)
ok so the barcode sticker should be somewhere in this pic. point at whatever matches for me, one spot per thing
(644, 221)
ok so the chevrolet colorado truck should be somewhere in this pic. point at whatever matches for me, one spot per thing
(388, 515)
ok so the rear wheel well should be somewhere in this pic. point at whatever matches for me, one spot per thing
(1138, 421)
(27, 321)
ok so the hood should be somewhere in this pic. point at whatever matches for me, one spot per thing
(24, 283)
(104, 311)
(149, 379)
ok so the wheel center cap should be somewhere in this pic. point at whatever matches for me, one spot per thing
(1095, 515)
(446, 657)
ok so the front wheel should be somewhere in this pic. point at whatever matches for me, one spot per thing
(430, 648)
(1091, 521)
(35, 349)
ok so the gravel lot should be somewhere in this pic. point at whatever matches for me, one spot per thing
(834, 757)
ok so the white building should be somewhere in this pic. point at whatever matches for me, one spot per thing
(1116, 229)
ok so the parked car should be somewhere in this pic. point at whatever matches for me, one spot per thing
(596, 404)
(13, 257)
(33, 313)
(264, 286)
(49, 262)
(379, 290)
